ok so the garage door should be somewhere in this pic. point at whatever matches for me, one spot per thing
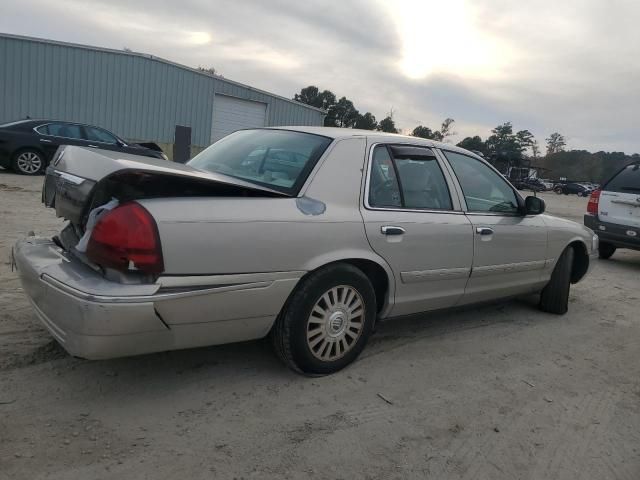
(231, 114)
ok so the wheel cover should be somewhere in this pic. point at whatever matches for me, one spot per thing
(335, 323)
(29, 162)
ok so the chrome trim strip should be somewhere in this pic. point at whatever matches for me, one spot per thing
(70, 178)
(487, 270)
(430, 275)
(89, 297)
(212, 280)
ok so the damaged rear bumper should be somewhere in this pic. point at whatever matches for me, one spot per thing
(94, 318)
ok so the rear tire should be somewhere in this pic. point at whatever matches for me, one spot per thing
(327, 320)
(28, 162)
(558, 190)
(606, 250)
(555, 296)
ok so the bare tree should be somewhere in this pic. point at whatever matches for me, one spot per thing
(555, 143)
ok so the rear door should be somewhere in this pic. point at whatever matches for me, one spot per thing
(417, 226)
(620, 198)
(54, 134)
(510, 249)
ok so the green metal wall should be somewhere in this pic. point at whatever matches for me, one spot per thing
(136, 96)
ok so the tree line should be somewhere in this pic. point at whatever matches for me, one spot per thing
(503, 148)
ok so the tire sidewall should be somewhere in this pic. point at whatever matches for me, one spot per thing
(301, 307)
(16, 168)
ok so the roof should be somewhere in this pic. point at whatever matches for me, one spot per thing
(339, 133)
(157, 59)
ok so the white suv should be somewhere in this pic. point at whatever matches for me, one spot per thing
(614, 211)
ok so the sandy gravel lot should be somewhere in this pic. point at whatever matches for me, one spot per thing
(493, 392)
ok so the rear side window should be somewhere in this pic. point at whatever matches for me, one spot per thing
(626, 181)
(65, 130)
(410, 179)
(384, 190)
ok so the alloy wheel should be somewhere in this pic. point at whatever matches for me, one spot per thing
(29, 162)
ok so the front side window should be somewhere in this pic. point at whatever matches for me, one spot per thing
(412, 179)
(484, 190)
(278, 159)
(65, 130)
(99, 135)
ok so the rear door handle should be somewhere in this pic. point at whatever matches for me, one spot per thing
(484, 231)
(92, 146)
(45, 140)
(391, 230)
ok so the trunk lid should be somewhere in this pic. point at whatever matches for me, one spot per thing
(620, 198)
(80, 179)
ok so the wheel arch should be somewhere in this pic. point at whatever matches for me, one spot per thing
(375, 268)
(580, 265)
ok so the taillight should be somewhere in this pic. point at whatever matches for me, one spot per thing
(594, 199)
(126, 239)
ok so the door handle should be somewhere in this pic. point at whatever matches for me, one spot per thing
(484, 231)
(45, 140)
(391, 230)
(92, 146)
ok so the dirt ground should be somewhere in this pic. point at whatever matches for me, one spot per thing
(493, 392)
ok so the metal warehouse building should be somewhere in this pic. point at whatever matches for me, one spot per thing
(137, 96)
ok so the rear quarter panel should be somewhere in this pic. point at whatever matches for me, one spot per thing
(248, 235)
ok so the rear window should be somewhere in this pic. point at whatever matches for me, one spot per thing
(626, 181)
(278, 159)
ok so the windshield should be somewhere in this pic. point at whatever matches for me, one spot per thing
(278, 159)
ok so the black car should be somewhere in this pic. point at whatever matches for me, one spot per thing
(532, 184)
(27, 146)
(573, 188)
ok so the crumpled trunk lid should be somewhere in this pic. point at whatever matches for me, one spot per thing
(80, 179)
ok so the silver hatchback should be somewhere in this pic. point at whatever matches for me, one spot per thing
(306, 234)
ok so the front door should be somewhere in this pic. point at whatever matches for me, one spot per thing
(416, 225)
(509, 248)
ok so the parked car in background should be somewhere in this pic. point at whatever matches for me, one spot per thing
(532, 184)
(573, 188)
(614, 212)
(27, 146)
(308, 234)
(548, 184)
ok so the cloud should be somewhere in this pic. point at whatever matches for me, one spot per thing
(545, 65)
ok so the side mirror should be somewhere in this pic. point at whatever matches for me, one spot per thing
(534, 206)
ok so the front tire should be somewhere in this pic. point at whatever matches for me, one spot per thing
(606, 250)
(327, 320)
(28, 162)
(555, 296)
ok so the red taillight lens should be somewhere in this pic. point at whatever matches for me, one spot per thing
(594, 199)
(126, 239)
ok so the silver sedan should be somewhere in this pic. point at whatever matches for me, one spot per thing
(309, 235)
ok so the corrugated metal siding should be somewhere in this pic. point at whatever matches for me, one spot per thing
(133, 96)
(130, 94)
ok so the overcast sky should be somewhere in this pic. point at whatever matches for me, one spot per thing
(569, 66)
